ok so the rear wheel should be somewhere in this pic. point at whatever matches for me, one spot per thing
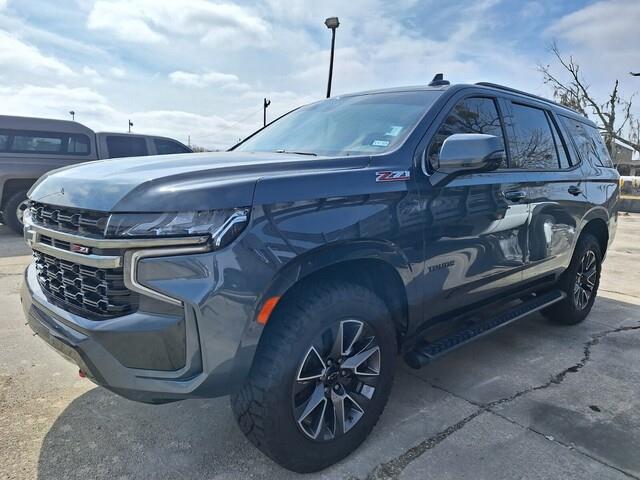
(580, 283)
(14, 210)
(321, 377)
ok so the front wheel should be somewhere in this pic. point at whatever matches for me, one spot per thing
(320, 378)
(579, 282)
(14, 210)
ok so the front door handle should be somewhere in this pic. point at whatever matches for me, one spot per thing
(574, 190)
(515, 195)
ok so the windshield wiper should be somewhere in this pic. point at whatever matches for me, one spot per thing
(297, 153)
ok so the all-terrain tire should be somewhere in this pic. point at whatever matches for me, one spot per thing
(264, 408)
(570, 311)
(10, 213)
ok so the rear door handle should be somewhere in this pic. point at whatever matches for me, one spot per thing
(574, 190)
(515, 195)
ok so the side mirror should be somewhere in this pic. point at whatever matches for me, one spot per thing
(465, 152)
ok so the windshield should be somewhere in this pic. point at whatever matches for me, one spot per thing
(362, 124)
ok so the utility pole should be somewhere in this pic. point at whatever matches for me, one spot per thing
(265, 104)
(73, 115)
(130, 125)
(331, 23)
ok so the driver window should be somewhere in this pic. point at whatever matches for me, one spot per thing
(470, 115)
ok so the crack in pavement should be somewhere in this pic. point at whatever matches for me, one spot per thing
(562, 444)
(392, 469)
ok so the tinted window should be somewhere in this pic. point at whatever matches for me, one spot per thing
(561, 147)
(124, 146)
(471, 115)
(78, 144)
(359, 124)
(532, 146)
(36, 143)
(588, 142)
(166, 147)
(52, 143)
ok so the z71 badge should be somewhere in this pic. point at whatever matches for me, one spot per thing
(392, 175)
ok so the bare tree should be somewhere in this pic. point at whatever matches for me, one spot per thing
(612, 116)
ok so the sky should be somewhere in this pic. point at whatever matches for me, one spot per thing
(200, 69)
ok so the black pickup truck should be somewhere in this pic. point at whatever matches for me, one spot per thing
(291, 271)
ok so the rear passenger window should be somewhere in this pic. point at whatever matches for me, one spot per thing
(533, 146)
(561, 147)
(588, 142)
(4, 142)
(166, 147)
(37, 144)
(471, 115)
(124, 146)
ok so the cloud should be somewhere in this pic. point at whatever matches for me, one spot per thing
(3, 4)
(95, 111)
(202, 79)
(17, 55)
(159, 21)
(603, 26)
(117, 72)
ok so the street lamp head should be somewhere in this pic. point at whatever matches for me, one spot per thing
(332, 23)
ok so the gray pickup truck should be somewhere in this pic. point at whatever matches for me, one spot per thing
(30, 147)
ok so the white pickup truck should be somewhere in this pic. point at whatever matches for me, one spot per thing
(30, 147)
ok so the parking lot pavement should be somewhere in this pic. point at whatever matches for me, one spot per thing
(534, 400)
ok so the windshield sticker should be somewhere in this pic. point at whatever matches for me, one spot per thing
(392, 175)
(394, 131)
(381, 143)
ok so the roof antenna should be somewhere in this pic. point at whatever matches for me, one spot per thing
(438, 81)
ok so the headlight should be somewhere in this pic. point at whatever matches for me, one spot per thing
(222, 225)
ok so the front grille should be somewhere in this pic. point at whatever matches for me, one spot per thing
(69, 220)
(96, 293)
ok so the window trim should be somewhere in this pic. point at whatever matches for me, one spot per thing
(448, 109)
(63, 136)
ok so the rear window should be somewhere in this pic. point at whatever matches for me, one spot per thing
(588, 142)
(167, 147)
(38, 142)
(125, 146)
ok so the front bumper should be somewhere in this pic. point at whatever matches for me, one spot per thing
(129, 354)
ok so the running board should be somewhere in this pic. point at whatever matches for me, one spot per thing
(425, 353)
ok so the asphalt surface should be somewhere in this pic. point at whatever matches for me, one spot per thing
(533, 400)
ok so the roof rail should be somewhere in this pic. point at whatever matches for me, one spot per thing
(526, 94)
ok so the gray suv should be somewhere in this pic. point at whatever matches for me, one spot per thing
(291, 271)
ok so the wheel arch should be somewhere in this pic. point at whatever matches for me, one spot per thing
(14, 185)
(376, 265)
(596, 222)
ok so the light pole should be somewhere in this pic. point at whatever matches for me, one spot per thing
(332, 23)
(265, 104)
(130, 125)
(73, 115)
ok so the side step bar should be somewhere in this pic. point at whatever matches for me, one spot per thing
(425, 353)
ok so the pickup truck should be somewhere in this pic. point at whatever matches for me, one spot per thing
(30, 147)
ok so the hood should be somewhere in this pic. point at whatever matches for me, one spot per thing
(199, 181)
